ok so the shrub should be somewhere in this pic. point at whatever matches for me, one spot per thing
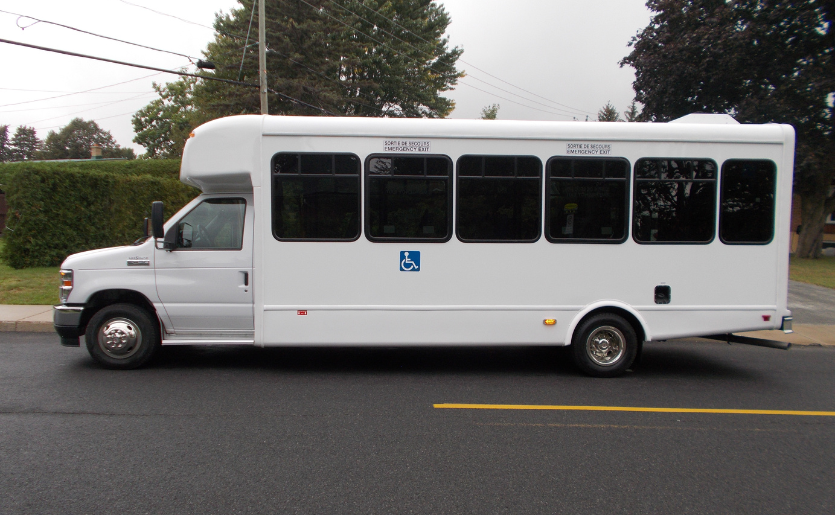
(157, 167)
(57, 209)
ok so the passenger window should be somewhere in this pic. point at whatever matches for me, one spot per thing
(675, 201)
(747, 214)
(316, 196)
(587, 200)
(499, 198)
(215, 224)
(408, 198)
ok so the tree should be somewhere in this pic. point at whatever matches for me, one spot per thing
(5, 151)
(25, 144)
(608, 113)
(338, 56)
(632, 114)
(760, 61)
(490, 112)
(74, 140)
(163, 126)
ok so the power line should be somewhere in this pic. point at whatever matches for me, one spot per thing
(346, 86)
(206, 77)
(463, 61)
(567, 113)
(88, 110)
(300, 102)
(97, 35)
(553, 112)
(182, 19)
(73, 92)
(246, 42)
(165, 14)
(72, 105)
(124, 63)
(79, 92)
(102, 118)
(323, 11)
(512, 101)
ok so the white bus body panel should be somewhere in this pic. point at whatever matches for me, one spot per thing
(352, 293)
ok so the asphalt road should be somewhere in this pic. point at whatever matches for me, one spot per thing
(355, 431)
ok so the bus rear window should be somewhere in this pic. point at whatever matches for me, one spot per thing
(747, 214)
(316, 196)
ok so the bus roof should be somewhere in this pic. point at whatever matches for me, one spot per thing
(224, 154)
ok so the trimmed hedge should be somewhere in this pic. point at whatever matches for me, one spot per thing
(58, 209)
(156, 167)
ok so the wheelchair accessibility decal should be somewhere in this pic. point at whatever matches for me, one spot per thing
(409, 261)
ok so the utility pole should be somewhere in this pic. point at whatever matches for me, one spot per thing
(262, 56)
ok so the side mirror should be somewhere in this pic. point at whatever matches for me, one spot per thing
(170, 240)
(157, 220)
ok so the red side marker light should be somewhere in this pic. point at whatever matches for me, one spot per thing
(301, 312)
(766, 318)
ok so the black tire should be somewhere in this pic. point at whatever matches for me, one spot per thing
(122, 336)
(604, 345)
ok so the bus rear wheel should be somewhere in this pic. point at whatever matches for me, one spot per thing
(122, 336)
(605, 345)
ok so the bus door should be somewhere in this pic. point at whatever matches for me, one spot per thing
(205, 283)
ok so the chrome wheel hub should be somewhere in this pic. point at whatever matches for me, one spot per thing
(119, 338)
(606, 346)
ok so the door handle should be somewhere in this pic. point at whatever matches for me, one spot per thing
(246, 278)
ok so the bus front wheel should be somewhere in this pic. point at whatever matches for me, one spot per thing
(122, 336)
(605, 345)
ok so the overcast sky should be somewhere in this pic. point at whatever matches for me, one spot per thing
(564, 53)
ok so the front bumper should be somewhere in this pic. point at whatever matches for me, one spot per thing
(67, 322)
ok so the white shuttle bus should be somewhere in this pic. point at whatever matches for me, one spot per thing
(316, 231)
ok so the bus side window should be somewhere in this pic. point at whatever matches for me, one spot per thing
(499, 198)
(587, 200)
(675, 201)
(747, 200)
(316, 196)
(408, 198)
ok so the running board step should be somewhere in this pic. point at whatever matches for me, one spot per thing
(198, 341)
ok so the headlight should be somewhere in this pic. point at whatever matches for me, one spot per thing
(66, 285)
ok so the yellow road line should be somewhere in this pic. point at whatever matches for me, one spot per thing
(634, 409)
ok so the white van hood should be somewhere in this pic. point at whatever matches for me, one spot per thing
(112, 257)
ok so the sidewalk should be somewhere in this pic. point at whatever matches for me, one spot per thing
(38, 319)
(32, 319)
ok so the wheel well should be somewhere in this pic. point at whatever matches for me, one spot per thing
(107, 297)
(626, 315)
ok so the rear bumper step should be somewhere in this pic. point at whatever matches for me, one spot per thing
(747, 340)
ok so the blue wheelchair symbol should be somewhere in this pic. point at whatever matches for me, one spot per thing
(409, 261)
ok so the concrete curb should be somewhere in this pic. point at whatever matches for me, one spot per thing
(38, 319)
